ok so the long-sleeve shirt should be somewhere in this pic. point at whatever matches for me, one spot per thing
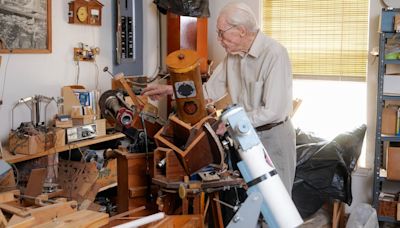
(259, 80)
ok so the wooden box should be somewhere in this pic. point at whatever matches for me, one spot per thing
(30, 144)
(392, 163)
(167, 165)
(191, 143)
(59, 141)
(80, 102)
(133, 181)
(387, 208)
(108, 175)
(100, 127)
(389, 120)
(82, 120)
(63, 124)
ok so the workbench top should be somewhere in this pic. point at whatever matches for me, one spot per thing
(10, 158)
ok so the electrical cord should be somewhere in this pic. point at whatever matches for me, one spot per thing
(97, 75)
(4, 79)
(15, 170)
(78, 72)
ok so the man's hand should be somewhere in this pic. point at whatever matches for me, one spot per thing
(221, 129)
(156, 91)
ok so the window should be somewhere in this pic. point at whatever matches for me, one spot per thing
(325, 38)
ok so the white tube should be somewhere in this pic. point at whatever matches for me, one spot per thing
(275, 195)
(142, 221)
(282, 212)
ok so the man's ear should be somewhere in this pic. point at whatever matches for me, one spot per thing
(242, 30)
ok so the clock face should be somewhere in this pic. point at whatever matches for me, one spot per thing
(82, 13)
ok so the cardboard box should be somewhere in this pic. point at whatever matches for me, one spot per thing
(391, 85)
(392, 163)
(387, 208)
(389, 116)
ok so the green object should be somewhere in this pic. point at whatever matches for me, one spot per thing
(392, 55)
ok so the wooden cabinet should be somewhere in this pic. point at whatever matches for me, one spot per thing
(134, 172)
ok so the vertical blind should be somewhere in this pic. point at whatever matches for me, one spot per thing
(324, 38)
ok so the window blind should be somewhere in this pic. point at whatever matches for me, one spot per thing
(324, 38)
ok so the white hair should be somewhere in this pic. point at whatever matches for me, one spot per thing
(239, 13)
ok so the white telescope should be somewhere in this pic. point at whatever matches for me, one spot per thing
(259, 172)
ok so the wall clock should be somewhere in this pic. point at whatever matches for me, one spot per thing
(82, 13)
(87, 12)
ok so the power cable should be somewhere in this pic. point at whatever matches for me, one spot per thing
(4, 79)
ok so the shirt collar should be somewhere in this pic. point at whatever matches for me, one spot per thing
(255, 47)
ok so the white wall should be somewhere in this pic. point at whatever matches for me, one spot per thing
(45, 74)
(215, 51)
(150, 38)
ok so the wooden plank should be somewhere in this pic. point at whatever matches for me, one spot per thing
(8, 196)
(3, 220)
(35, 182)
(182, 221)
(20, 222)
(83, 219)
(47, 213)
(216, 210)
(14, 210)
(8, 157)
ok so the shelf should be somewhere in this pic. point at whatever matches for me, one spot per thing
(391, 61)
(387, 28)
(385, 179)
(8, 157)
(387, 219)
(389, 97)
(390, 138)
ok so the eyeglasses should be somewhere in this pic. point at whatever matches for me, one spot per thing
(221, 32)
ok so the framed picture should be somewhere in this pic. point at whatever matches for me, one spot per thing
(25, 26)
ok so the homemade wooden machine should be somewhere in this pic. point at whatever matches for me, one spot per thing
(189, 160)
(187, 167)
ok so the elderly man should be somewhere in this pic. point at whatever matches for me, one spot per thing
(256, 72)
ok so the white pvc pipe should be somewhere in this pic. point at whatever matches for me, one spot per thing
(142, 221)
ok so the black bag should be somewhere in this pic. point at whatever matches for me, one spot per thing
(191, 8)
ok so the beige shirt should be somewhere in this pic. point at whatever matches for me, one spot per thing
(260, 81)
